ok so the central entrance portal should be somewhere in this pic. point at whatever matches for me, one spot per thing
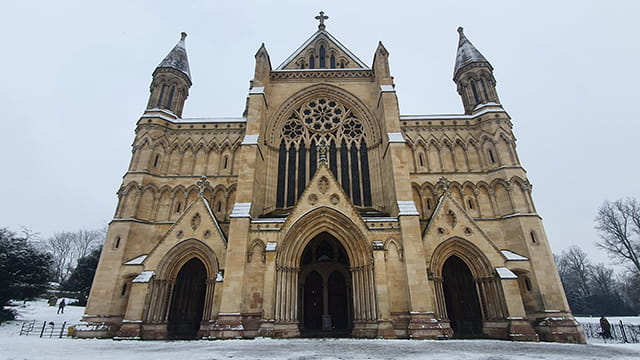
(325, 289)
(187, 302)
(461, 298)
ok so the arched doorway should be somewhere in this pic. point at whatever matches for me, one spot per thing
(325, 285)
(463, 307)
(187, 302)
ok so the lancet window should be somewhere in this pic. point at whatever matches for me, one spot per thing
(323, 122)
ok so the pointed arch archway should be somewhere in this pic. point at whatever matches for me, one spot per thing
(181, 293)
(318, 223)
(468, 292)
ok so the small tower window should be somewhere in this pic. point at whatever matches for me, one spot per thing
(123, 292)
(156, 160)
(178, 207)
(527, 283)
(533, 237)
(491, 157)
(428, 204)
(323, 55)
(475, 92)
(421, 159)
(312, 62)
(164, 87)
(226, 162)
(170, 99)
(116, 244)
(470, 203)
(332, 61)
(219, 207)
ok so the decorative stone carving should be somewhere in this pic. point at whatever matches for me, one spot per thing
(195, 221)
(452, 218)
(179, 234)
(335, 199)
(323, 185)
(313, 199)
(207, 234)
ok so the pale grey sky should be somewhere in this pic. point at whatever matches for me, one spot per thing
(76, 78)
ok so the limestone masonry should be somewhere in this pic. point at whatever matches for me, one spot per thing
(323, 211)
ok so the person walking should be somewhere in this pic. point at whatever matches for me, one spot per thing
(605, 327)
(61, 307)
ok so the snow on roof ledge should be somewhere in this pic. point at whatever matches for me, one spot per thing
(511, 256)
(144, 277)
(505, 273)
(136, 261)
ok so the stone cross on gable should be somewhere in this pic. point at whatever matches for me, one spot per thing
(202, 184)
(322, 17)
(444, 182)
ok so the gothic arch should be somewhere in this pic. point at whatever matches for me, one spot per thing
(184, 251)
(363, 113)
(317, 221)
(473, 257)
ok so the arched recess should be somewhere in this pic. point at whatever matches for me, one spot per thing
(528, 291)
(323, 114)
(254, 282)
(487, 284)
(161, 288)
(358, 252)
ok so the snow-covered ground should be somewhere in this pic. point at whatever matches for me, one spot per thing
(13, 346)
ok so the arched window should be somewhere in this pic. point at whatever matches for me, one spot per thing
(491, 157)
(475, 92)
(162, 90)
(178, 207)
(156, 160)
(225, 163)
(323, 56)
(421, 159)
(312, 62)
(332, 61)
(170, 99)
(329, 122)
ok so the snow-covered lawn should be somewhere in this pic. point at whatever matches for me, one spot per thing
(13, 346)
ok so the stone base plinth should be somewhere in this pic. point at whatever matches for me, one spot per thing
(426, 326)
(286, 330)
(365, 329)
(227, 326)
(560, 329)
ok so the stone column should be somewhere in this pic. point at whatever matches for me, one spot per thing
(385, 326)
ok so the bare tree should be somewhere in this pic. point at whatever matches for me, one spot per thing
(575, 270)
(67, 247)
(619, 227)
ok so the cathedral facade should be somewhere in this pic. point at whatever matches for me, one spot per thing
(322, 211)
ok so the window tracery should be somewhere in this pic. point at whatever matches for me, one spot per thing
(316, 121)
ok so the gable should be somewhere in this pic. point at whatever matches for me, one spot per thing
(327, 53)
(196, 223)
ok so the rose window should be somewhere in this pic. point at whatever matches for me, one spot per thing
(322, 115)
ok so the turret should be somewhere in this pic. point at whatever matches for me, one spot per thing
(171, 81)
(474, 76)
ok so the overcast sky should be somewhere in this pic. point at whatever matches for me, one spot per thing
(76, 79)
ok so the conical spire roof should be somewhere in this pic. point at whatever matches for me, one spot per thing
(468, 54)
(177, 58)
